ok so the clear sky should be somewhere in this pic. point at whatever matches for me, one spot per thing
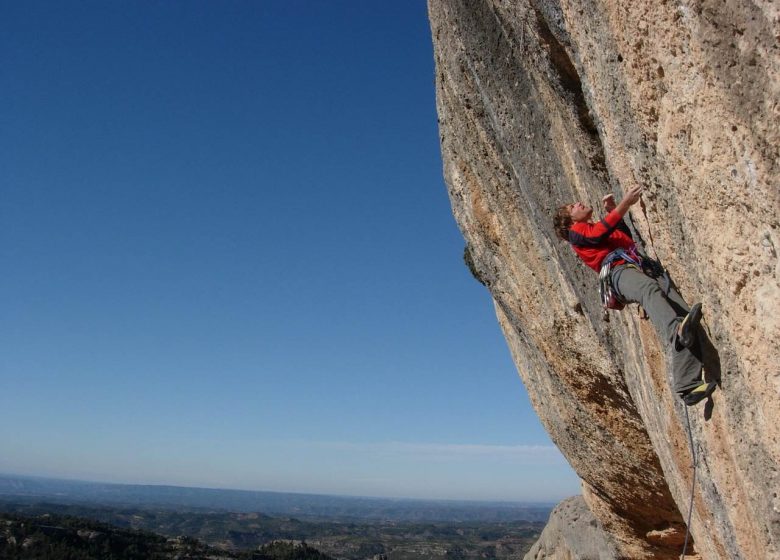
(230, 260)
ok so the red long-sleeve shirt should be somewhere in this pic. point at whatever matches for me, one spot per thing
(592, 242)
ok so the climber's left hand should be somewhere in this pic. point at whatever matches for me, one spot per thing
(609, 202)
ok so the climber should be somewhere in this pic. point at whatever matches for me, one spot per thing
(627, 277)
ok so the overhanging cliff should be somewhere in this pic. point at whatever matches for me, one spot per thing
(545, 102)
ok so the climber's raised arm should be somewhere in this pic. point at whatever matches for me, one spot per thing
(572, 222)
(587, 234)
(631, 198)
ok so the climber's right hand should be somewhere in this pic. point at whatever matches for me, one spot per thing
(633, 195)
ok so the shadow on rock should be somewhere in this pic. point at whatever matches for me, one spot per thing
(710, 359)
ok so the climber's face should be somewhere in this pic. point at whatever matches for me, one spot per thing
(579, 212)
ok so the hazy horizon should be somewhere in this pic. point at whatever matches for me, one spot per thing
(540, 460)
(475, 502)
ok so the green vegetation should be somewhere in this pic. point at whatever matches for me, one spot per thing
(53, 537)
(62, 537)
(288, 551)
(132, 532)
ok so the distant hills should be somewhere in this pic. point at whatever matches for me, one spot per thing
(137, 521)
(55, 537)
(312, 506)
(188, 534)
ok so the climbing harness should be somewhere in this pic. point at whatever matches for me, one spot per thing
(631, 257)
(610, 298)
(693, 484)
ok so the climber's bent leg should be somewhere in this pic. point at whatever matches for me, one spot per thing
(680, 306)
(637, 287)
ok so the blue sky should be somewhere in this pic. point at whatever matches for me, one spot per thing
(230, 258)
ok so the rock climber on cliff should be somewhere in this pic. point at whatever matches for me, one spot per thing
(626, 277)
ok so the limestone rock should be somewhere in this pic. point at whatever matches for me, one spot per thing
(572, 533)
(543, 102)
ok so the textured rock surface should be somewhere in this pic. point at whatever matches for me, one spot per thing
(547, 101)
(573, 533)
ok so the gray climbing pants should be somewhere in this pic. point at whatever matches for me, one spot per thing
(665, 312)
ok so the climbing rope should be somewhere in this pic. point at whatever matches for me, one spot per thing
(687, 417)
(693, 484)
(649, 230)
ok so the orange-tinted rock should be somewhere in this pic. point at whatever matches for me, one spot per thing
(545, 102)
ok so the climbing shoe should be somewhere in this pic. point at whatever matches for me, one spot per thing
(698, 394)
(686, 335)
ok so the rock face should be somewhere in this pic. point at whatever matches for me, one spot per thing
(572, 533)
(543, 102)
